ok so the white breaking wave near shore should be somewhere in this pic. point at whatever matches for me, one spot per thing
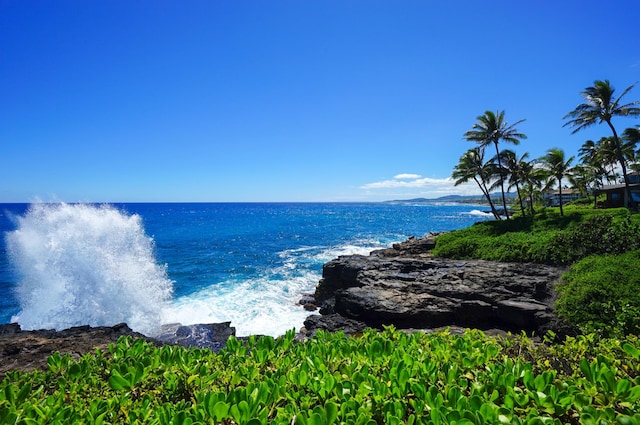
(268, 304)
(479, 213)
(81, 264)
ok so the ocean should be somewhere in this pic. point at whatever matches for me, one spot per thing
(149, 264)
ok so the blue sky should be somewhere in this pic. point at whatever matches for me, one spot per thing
(299, 100)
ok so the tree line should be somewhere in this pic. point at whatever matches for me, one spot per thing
(599, 161)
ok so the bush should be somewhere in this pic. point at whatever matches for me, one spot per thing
(600, 234)
(602, 294)
(548, 238)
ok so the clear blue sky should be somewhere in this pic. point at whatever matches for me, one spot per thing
(300, 100)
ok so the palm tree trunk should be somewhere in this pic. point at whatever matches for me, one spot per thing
(485, 192)
(520, 199)
(560, 193)
(531, 203)
(504, 200)
(628, 200)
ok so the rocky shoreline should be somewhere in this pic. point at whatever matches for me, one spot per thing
(403, 286)
(406, 287)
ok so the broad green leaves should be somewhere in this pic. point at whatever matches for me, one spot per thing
(387, 377)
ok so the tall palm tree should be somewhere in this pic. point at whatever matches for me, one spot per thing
(601, 106)
(492, 128)
(558, 168)
(471, 166)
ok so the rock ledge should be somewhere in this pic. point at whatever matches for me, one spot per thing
(406, 287)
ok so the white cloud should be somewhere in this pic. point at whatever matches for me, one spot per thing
(407, 176)
(407, 186)
(415, 181)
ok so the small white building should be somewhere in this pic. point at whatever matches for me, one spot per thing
(553, 198)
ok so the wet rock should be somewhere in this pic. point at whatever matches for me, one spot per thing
(212, 336)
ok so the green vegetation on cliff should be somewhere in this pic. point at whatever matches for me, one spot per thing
(547, 237)
(600, 293)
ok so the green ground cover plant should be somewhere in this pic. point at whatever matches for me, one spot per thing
(388, 377)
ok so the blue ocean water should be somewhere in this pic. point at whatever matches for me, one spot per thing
(65, 265)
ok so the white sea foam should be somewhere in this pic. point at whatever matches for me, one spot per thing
(480, 213)
(261, 306)
(266, 305)
(81, 264)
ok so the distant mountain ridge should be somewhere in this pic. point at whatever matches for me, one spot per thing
(467, 199)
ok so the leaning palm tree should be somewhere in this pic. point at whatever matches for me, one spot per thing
(492, 128)
(472, 167)
(601, 106)
(558, 168)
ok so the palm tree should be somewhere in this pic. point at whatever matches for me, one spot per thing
(587, 179)
(593, 159)
(472, 166)
(492, 128)
(558, 168)
(588, 152)
(517, 170)
(632, 137)
(601, 106)
(607, 155)
(534, 179)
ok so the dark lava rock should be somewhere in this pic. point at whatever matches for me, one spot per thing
(212, 336)
(406, 287)
(29, 350)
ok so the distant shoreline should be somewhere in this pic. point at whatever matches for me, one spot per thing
(458, 199)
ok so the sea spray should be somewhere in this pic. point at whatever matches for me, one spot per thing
(82, 264)
(266, 303)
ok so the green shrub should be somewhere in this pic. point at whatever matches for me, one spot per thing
(547, 238)
(599, 234)
(602, 294)
(565, 358)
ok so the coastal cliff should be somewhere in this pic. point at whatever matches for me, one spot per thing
(406, 287)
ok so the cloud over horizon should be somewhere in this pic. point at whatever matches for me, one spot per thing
(414, 185)
(407, 176)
